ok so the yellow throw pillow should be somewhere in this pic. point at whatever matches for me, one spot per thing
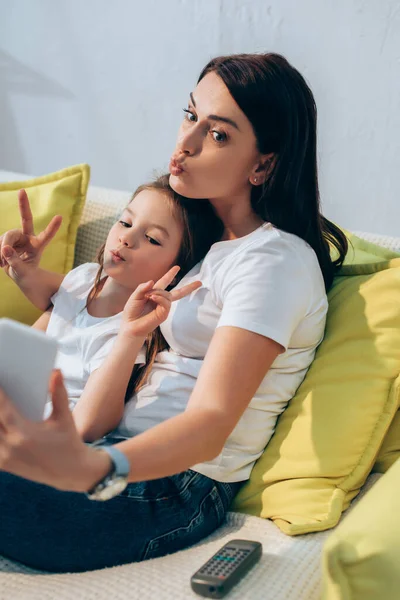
(62, 193)
(361, 558)
(362, 252)
(326, 441)
(390, 449)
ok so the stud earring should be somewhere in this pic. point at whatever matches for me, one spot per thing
(255, 180)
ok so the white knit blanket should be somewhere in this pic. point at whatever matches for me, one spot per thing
(288, 570)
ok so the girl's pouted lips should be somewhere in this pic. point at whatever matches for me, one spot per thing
(175, 168)
(116, 257)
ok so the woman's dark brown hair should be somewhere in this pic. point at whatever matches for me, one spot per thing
(281, 108)
(201, 228)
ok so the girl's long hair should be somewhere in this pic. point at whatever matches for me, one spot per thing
(201, 229)
(281, 108)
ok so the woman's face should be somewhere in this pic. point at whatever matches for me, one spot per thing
(216, 151)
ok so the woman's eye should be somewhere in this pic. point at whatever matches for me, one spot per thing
(218, 136)
(124, 224)
(153, 241)
(189, 116)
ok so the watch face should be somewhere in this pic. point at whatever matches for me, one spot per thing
(112, 488)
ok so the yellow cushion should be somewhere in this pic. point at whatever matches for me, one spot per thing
(361, 252)
(361, 558)
(326, 441)
(62, 193)
(390, 449)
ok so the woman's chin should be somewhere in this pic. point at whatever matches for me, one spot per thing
(183, 188)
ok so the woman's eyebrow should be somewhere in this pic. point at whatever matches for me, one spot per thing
(216, 117)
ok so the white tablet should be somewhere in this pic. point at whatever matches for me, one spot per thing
(27, 357)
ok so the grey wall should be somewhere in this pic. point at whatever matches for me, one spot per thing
(104, 82)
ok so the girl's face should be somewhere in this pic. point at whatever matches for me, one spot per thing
(216, 145)
(145, 242)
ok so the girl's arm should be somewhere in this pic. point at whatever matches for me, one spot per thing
(101, 405)
(43, 321)
(37, 284)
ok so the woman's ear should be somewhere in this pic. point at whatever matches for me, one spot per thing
(263, 169)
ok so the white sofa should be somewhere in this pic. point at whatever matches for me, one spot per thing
(290, 567)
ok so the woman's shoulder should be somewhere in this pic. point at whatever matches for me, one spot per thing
(271, 258)
(272, 246)
(290, 245)
(268, 237)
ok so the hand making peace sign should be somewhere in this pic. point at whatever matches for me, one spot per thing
(150, 303)
(21, 249)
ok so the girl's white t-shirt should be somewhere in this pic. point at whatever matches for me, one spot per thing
(268, 282)
(84, 341)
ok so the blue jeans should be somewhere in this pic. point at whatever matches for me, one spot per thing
(52, 530)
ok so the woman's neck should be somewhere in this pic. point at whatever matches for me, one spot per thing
(237, 216)
(110, 300)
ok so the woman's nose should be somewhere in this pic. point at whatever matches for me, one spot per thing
(189, 142)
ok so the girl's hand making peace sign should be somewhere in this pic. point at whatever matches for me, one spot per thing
(21, 249)
(150, 303)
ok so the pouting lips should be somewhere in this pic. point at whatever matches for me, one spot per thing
(117, 255)
(175, 168)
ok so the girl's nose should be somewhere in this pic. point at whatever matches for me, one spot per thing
(127, 238)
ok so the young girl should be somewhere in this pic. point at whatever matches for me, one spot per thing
(158, 229)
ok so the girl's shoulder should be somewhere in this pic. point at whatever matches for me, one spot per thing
(80, 279)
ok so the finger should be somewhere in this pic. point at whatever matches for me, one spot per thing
(185, 290)
(161, 311)
(162, 293)
(10, 418)
(161, 301)
(11, 258)
(142, 290)
(14, 238)
(59, 395)
(167, 278)
(25, 212)
(47, 234)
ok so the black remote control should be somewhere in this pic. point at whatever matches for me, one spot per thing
(219, 574)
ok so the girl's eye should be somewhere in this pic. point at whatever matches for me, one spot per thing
(153, 241)
(218, 136)
(189, 116)
(124, 224)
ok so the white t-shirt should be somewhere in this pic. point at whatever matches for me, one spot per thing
(268, 282)
(84, 341)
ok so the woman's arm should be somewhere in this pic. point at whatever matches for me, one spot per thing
(101, 405)
(43, 321)
(51, 452)
(236, 363)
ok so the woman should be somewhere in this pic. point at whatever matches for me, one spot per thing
(239, 346)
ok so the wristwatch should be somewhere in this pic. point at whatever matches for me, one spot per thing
(116, 480)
